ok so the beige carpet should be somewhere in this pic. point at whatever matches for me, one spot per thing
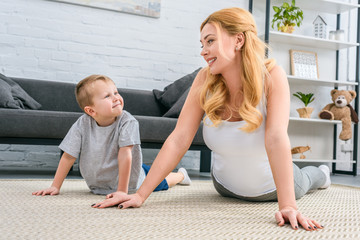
(183, 212)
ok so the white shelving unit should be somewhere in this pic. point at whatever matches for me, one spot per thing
(307, 41)
(329, 6)
(326, 6)
(315, 120)
(320, 82)
(321, 161)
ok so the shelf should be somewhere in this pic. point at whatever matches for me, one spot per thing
(315, 120)
(320, 82)
(327, 6)
(308, 41)
(321, 160)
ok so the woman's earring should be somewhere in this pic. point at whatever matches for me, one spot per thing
(237, 48)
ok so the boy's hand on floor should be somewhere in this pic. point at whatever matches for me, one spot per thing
(49, 191)
(121, 199)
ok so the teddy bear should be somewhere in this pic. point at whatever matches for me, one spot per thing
(341, 109)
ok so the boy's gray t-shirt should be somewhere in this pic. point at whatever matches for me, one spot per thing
(97, 149)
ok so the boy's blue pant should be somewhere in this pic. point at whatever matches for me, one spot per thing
(162, 186)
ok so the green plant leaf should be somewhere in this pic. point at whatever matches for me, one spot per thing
(305, 98)
(276, 9)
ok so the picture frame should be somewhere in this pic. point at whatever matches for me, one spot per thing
(304, 64)
(148, 8)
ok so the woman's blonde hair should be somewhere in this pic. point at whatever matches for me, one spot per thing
(215, 94)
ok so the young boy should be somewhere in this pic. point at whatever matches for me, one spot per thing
(106, 140)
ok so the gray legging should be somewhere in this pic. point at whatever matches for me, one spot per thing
(305, 179)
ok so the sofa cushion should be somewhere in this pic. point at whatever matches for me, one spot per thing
(158, 129)
(141, 102)
(13, 96)
(55, 125)
(171, 93)
(52, 95)
(36, 123)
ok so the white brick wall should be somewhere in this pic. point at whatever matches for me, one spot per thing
(65, 42)
(57, 41)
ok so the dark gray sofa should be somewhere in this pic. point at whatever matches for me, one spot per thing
(59, 110)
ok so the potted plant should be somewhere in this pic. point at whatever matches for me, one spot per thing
(306, 111)
(287, 17)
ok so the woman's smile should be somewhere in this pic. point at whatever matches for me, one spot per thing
(211, 61)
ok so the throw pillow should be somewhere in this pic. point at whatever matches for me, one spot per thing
(171, 93)
(13, 96)
(175, 110)
(6, 98)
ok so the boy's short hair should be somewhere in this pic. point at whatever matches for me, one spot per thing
(84, 95)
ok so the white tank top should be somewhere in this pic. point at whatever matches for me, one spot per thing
(240, 162)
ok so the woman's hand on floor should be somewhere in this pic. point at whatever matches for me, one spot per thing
(294, 217)
(121, 199)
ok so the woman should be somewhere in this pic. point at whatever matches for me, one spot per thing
(246, 101)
